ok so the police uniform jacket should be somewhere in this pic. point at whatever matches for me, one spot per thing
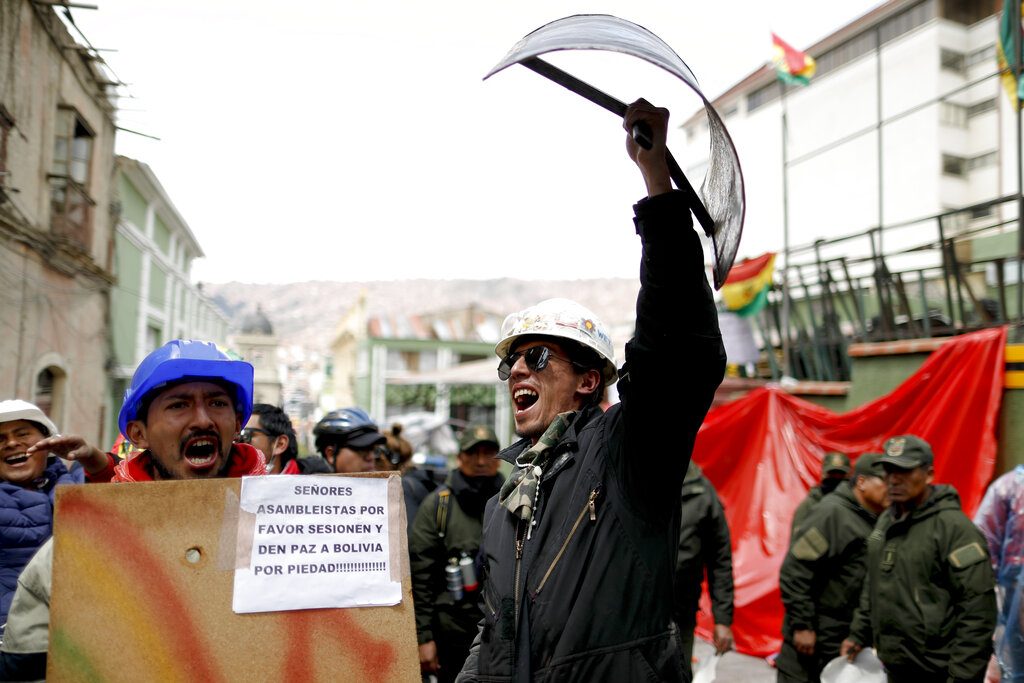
(703, 544)
(929, 604)
(441, 532)
(824, 570)
(585, 595)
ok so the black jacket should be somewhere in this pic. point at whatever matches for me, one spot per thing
(703, 544)
(590, 597)
(431, 548)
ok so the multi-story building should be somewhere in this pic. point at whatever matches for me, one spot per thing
(905, 118)
(394, 365)
(56, 218)
(154, 299)
(891, 180)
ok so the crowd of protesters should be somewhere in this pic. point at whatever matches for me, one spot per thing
(586, 560)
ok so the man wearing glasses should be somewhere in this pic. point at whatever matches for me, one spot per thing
(270, 430)
(579, 545)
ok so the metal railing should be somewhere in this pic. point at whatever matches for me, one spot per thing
(941, 275)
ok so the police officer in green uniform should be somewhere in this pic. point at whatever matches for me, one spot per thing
(824, 570)
(447, 527)
(835, 469)
(928, 605)
(703, 546)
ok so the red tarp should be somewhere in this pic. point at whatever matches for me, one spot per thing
(763, 452)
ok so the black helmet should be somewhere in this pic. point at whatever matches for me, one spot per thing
(350, 427)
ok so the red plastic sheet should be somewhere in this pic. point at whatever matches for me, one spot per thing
(763, 452)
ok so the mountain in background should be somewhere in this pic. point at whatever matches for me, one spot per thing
(307, 313)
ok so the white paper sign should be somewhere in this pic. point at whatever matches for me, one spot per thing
(317, 542)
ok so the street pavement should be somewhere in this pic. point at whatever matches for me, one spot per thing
(733, 667)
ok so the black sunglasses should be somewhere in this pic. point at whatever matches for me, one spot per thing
(245, 436)
(536, 358)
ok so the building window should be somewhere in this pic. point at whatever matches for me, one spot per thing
(984, 55)
(845, 53)
(951, 60)
(153, 336)
(982, 107)
(982, 212)
(983, 160)
(953, 115)
(70, 204)
(966, 12)
(906, 21)
(954, 165)
(762, 96)
(48, 391)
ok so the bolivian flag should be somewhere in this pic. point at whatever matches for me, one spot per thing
(746, 289)
(791, 65)
(1008, 45)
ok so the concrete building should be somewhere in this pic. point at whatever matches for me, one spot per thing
(904, 120)
(56, 219)
(395, 365)
(257, 343)
(154, 299)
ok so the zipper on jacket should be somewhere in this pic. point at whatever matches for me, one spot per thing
(590, 507)
(520, 539)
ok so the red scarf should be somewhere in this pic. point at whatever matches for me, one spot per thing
(245, 461)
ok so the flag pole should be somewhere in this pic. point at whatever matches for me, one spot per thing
(785, 234)
(1020, 168)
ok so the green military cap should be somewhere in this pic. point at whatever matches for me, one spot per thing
(868, 465)
(475, 435)
(835, 462)
(907, 452)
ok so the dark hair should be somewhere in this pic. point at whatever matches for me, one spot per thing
(275, 421)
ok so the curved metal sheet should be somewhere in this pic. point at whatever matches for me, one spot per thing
(722, 190)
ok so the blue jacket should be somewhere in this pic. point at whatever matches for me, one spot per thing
(26, 521)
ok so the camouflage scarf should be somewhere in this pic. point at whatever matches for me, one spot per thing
(519, 492)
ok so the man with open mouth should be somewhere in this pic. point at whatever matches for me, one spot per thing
(28, 480)
(579, 545)
(186, 403)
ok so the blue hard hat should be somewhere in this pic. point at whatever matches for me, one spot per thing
(186, 359)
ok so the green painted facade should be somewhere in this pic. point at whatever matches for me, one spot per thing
(157, 285)
(133, 205)
(125, 299)
(161, 235)
(1011, 431)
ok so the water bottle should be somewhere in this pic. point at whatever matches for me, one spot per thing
(468, 573)
(453, 577)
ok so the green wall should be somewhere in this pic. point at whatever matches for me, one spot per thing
(133, 206)
(157, 286)
(125, 300)
(161, 235)
(876, 376)
(1011, 431)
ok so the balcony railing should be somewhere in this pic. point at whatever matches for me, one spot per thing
(942, 275)
(70, 212)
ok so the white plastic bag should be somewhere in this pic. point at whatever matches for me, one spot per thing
(866, 668)
(707, 670)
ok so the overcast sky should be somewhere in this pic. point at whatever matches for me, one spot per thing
(355, 139)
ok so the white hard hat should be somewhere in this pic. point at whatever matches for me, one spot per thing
(564, 319)
(16, 409)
